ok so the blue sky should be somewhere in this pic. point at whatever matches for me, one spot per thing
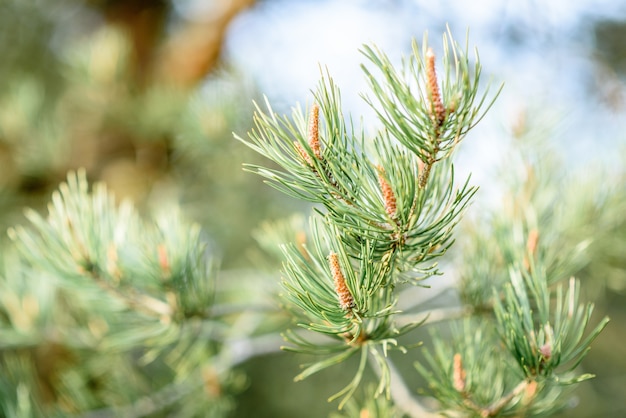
(542, 50)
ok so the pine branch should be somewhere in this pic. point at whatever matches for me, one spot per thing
(234, 353)
(401, 395)
(388, 207)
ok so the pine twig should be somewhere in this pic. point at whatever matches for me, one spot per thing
(401, 395)
(239, 351)
(495, 407)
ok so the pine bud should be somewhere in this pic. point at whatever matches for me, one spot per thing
(388, 196)
(314, 133)
(346, 301)
(163, 259)
(438, 112)
(531, 246)
(530, 392)
(212, 384)
(546, 351)
(533, 240)
(458, 373)
(112, 263)
(313, 137)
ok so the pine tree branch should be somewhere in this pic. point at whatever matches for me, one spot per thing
(400, 394)
(494, 408)
(233, 353)
(135, 300)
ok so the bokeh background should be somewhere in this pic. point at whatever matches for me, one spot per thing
(145, 94)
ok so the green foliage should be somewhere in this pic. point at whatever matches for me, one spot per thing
(407, 103)
(94, 285)
(390, 205)
(370, 406)
(105, 312)
(513, 265)
(474, 375)
(386, 209)
(539, 336)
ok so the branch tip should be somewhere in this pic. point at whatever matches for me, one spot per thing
(458, 373)
(438, 111)
(314, 133)
(389, 196)
(346, 301)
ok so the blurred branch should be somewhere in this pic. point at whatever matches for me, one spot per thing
(193, 51)
(233, 353)
(143, 21)
(400, 394)
(183, 58)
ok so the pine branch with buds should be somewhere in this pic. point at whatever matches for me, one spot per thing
(390, 204)
(386, 209)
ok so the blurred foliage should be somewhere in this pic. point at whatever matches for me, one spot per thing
(550, 205)
(101, 86)
(136, 94)
(98, 317)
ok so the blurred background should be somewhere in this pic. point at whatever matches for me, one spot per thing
(145, 95)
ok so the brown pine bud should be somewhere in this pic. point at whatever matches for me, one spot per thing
(531, 246)
(458, 373)
(388, 196)
(163, 259)
(212, 384)
(533, 240)
(314, 133)
(530, 392)
(546, 351)
(438, 111)
(313, 137)
(112, 262)
(346, 301)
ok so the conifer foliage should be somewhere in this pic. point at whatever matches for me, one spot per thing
(386, 208)
(105, 312)
(91, 296)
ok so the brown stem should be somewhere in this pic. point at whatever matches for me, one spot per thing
(134, 299)
(432, 159)
(495, 407)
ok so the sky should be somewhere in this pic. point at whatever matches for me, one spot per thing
(544, 52)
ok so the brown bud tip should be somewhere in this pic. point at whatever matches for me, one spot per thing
(163, 259)
(346, 301)
(531, 247)
(388, 196)
(438, 111)
(532, 241)
(314, 133)
(212, 384)
(458, 373)
(112, 262)
(546, 351)
(529, 393)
